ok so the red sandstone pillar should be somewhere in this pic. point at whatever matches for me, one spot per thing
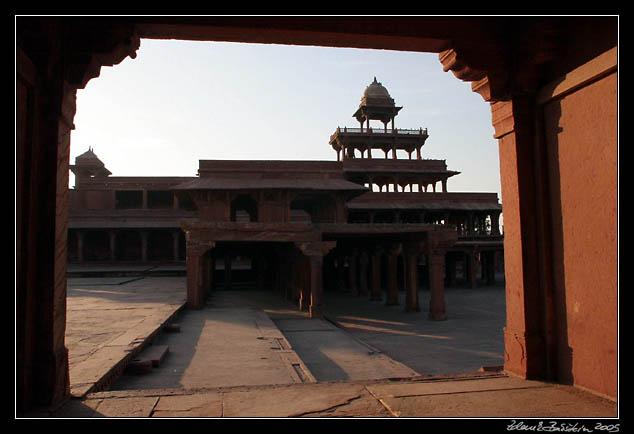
(392, 274)
(80, 246)
(363, 273)
(196, 275)
(316, 289)
(112, 244)
(526, 331)
(315, 252)
(352, 271)
(436, 262)
(194, 280)
(376, 274)
(260, 264)
(340, 265)
(472, 273)
(175, 247)
(411, 277)
(144, 236)
(227, 269)
(305, 282)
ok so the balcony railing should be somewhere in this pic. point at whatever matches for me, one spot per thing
(420, 131)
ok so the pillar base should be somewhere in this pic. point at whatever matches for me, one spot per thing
(316, 311)
(524, 353)
(437, 316)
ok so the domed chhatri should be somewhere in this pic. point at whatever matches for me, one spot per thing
(377, 90)
(376, 104)
(88, 165)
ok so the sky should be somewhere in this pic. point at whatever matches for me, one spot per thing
(179, 102)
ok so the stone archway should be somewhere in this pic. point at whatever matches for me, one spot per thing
(515, 65)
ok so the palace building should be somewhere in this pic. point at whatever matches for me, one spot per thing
(372, 224)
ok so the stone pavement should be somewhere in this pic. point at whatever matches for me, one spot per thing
(110, 320)
(250, 354)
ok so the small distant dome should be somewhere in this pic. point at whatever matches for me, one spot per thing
(376, 90)
(89, 163)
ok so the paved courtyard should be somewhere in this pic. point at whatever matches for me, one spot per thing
(252, 354)
(248, 337)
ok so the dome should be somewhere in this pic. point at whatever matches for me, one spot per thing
(376, 90)
(88, 157)
(88, 163)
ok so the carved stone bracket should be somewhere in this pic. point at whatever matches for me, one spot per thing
(316, 248)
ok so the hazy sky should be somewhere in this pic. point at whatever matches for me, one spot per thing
(180, 101)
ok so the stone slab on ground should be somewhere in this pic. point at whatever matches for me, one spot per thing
(332, 354)
(108, 325)
(478, 396)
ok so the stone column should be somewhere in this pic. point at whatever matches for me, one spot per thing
(227, 269)
(363, 273)
(175, 246)
(436, 261)
(529, 349)
(340, 278)
(316, 290)
(80, 246)
(112, 239)
(352, 271)
(472, 269)
(315, 252)
(260, 269)
(144, 235)
(376, 274)
(144, 200)
(392, 274)
(196, 274)
(411, 252)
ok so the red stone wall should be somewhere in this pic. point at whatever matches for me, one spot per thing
(581, 136)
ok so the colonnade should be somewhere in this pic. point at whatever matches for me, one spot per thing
(300, 272)
(120, 245)
(471, 223)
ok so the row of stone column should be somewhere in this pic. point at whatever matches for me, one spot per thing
(349, 152)
(80, 236)
(392, 186)
(467, 224)
(298, 273)
(368, 262)
(472, 259)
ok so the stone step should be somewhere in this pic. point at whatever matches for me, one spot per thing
(155, 354)
(151, 357)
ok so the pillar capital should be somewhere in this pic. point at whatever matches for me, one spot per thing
(316, 248)
(198, 248)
